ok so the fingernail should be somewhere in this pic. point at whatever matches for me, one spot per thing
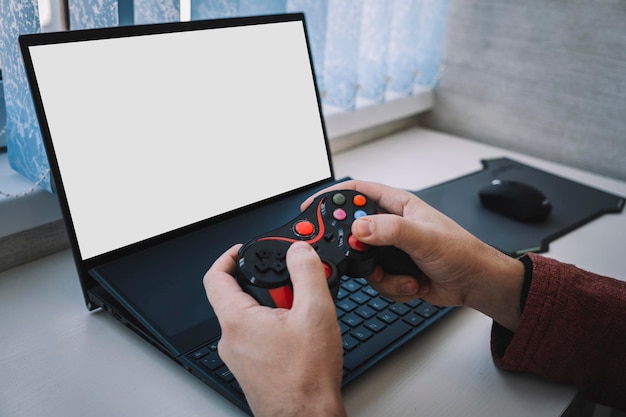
(408, 288)
(363, 227)
(424, 287)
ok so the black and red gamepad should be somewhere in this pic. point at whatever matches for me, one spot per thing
(326, 225)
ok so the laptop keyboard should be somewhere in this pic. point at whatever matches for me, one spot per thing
(370, 323)
(371, 326)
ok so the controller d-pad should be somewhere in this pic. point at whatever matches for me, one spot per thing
(271, 259)
(265, 253)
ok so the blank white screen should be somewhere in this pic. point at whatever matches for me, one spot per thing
(153, 133)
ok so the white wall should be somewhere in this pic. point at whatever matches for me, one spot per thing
(545, 77)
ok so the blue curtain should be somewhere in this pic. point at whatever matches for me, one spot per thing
(3, 117)
(151, 11)
(89, 14)
(24, 142)
(364, 51)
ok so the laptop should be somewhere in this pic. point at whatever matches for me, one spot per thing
(169, 143)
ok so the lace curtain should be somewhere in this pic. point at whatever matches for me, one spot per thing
(26, 151)
(364, 51)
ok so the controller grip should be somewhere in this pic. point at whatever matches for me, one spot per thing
(397, 262)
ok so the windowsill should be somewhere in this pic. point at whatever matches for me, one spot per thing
(349, 129)
(31, 225)
(36, 216)
(26, 212)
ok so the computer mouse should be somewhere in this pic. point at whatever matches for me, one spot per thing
(515, 200)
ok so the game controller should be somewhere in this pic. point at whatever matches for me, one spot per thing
(326, 225)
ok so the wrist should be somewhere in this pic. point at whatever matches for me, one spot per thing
(319, 402)
(497, 291)
(305, 408)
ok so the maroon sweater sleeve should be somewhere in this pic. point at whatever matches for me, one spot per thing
(572, 330)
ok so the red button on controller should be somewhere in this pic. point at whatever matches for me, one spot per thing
(328, 271)
(357, 245)
(359, 200)
(304, 228)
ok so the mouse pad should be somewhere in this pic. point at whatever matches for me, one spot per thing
(573, 204)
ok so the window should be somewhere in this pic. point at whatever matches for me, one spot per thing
(365, 52)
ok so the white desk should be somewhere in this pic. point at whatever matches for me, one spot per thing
(57, 359)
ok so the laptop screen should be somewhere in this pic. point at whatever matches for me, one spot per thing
(152, 132)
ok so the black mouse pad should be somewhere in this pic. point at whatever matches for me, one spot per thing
(573, 204)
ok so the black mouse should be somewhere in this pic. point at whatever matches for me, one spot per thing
(515, 200)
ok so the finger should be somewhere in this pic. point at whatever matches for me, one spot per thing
(222, 290)
(346, 185)
(388, 198)
(407, 235)
(308, 278)
(400, 288)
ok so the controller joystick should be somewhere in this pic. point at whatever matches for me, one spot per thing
(326, 225)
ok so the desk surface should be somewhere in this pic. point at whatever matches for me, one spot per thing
(58, 359)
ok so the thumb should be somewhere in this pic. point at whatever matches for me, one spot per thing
(389, 230)
(310, 288)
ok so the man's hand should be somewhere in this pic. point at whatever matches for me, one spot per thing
(461, 269)
(288, 362)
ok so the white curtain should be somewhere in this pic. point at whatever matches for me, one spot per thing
(364, 51)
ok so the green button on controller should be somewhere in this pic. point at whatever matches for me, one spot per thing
(339, 199)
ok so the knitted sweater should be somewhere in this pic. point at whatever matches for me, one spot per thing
(572, 330)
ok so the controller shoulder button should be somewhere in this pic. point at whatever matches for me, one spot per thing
(356, 244)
